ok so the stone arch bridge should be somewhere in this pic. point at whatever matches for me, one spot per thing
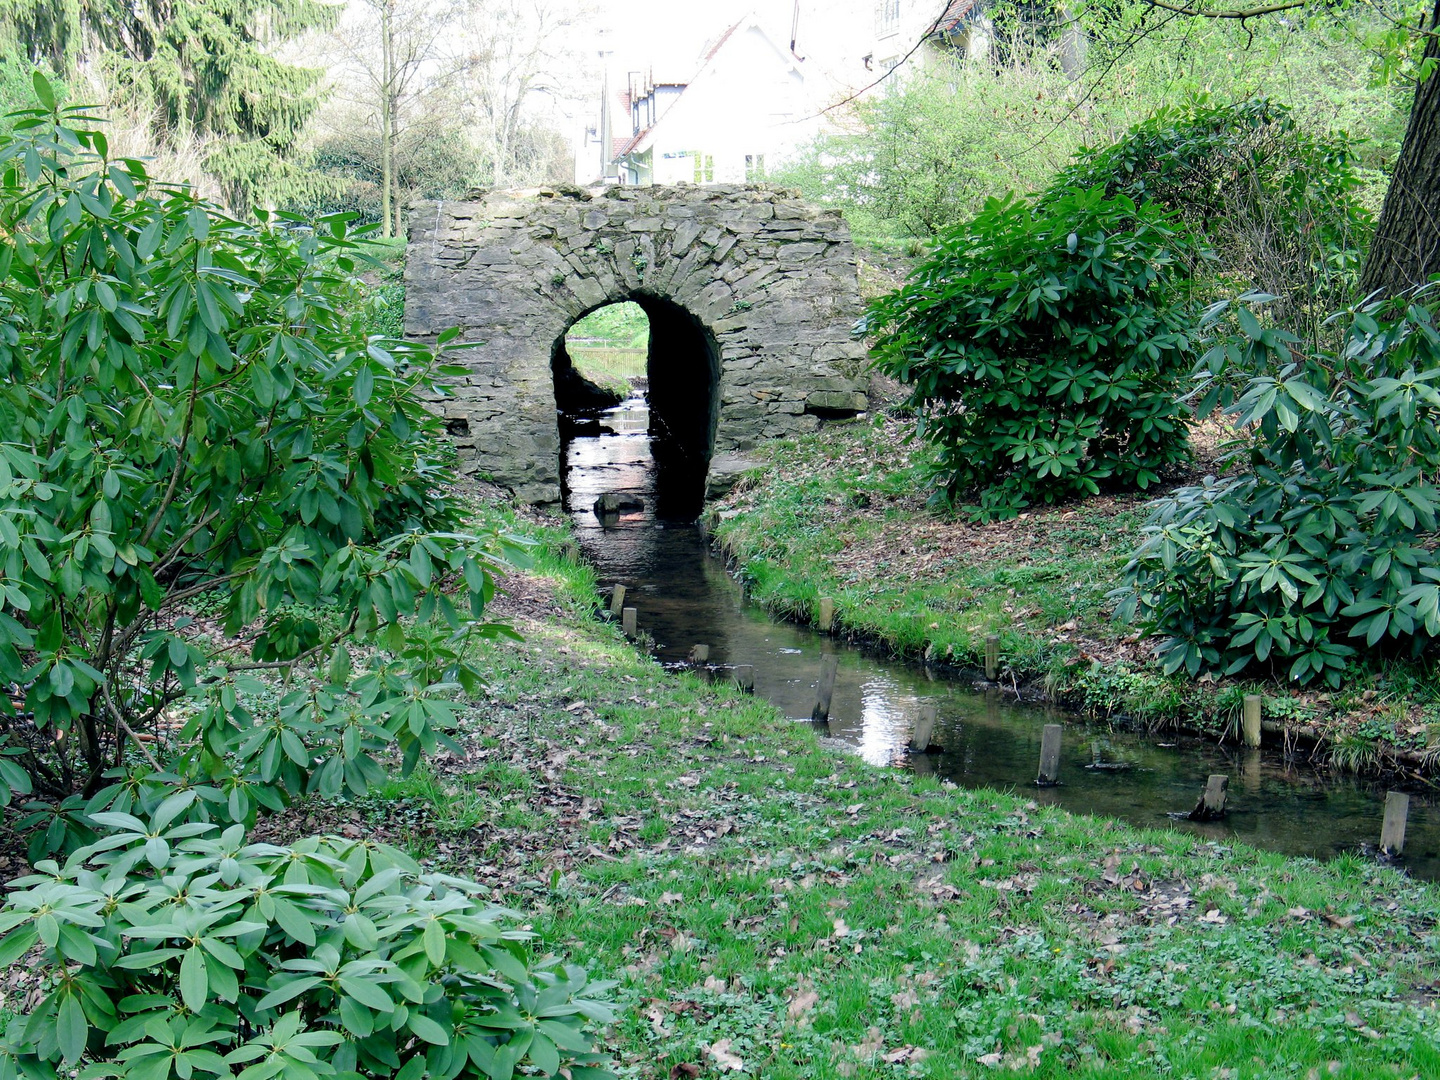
(751, 296)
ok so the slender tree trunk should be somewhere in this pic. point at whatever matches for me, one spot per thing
(1406, 248)
(387, 118)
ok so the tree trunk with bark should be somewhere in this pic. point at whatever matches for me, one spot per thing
(1406, 249)
(387, 117)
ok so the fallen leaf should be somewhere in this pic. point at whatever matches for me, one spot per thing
(802, 1003)
(720, 1051)
(871, 1045)
(904, 1054)
(906, 999)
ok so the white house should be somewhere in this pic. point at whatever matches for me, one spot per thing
(745, 107)
(759, 91)
(858, 41)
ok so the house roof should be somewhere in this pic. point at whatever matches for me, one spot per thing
(709, 54)
(620, 146)
(640, 142)
(956, 14)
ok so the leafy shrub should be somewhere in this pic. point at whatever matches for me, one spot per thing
(1324, 537)
(181, 950)
(1044, 346)
(1278, 205)
(431, 159)
(192, 409)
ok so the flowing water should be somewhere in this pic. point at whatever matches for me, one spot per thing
(684, 596)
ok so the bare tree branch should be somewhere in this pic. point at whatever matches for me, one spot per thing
(1242, 13)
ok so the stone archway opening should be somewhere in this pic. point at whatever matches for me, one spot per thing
(649, 351)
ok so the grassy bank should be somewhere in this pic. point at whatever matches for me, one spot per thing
(774, 909)
(842, 514)
(771, 907)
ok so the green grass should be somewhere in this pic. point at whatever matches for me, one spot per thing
(767, 901)
(841, 515)
(609, 367)
(617, 326)
(610, 346)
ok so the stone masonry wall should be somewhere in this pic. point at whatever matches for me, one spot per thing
(771, 278)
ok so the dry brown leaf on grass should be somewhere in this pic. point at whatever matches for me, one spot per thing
(904, 1055)
(801, 1003)
(871, 1045)
(724, 1059)
(905, 999)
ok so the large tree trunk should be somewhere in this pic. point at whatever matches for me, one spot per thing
(387, 117)
(1406, 248)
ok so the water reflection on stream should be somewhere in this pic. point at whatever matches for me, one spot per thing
(684, 596)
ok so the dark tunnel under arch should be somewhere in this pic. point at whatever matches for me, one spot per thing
(683, 390)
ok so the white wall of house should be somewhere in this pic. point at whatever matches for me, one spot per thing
(856, 41)
(746, 110)
(754, 103)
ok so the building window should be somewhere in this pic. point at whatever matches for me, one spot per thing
(887, 18)
(704, 167)
(890, 63)
(754, 167)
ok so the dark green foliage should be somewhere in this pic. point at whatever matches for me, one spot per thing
(1278, 205)
(432, 161)
(192, 409)
(1322, 542)
(1044, 345)
(181, 950)
(387, 310)
(198, 423)
(16, 86)
(203, 67)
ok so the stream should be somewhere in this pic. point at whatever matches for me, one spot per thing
(684, 596)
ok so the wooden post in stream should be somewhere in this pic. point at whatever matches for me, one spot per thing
(745, 678)
(992, 657)
(1212, 799)
(1252, 720)
(825, 688)
(628, 621)
(924, 729)
(827, 614)
(1392, 829)
(617, 599)
(699, 654)
(1049, 756)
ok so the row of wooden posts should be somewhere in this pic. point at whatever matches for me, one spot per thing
(1210, 806)
(699, 654)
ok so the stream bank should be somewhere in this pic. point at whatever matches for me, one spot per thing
(635, 525)
(842, 514)
(773, 908)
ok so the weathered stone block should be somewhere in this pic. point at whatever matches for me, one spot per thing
(772, 280)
